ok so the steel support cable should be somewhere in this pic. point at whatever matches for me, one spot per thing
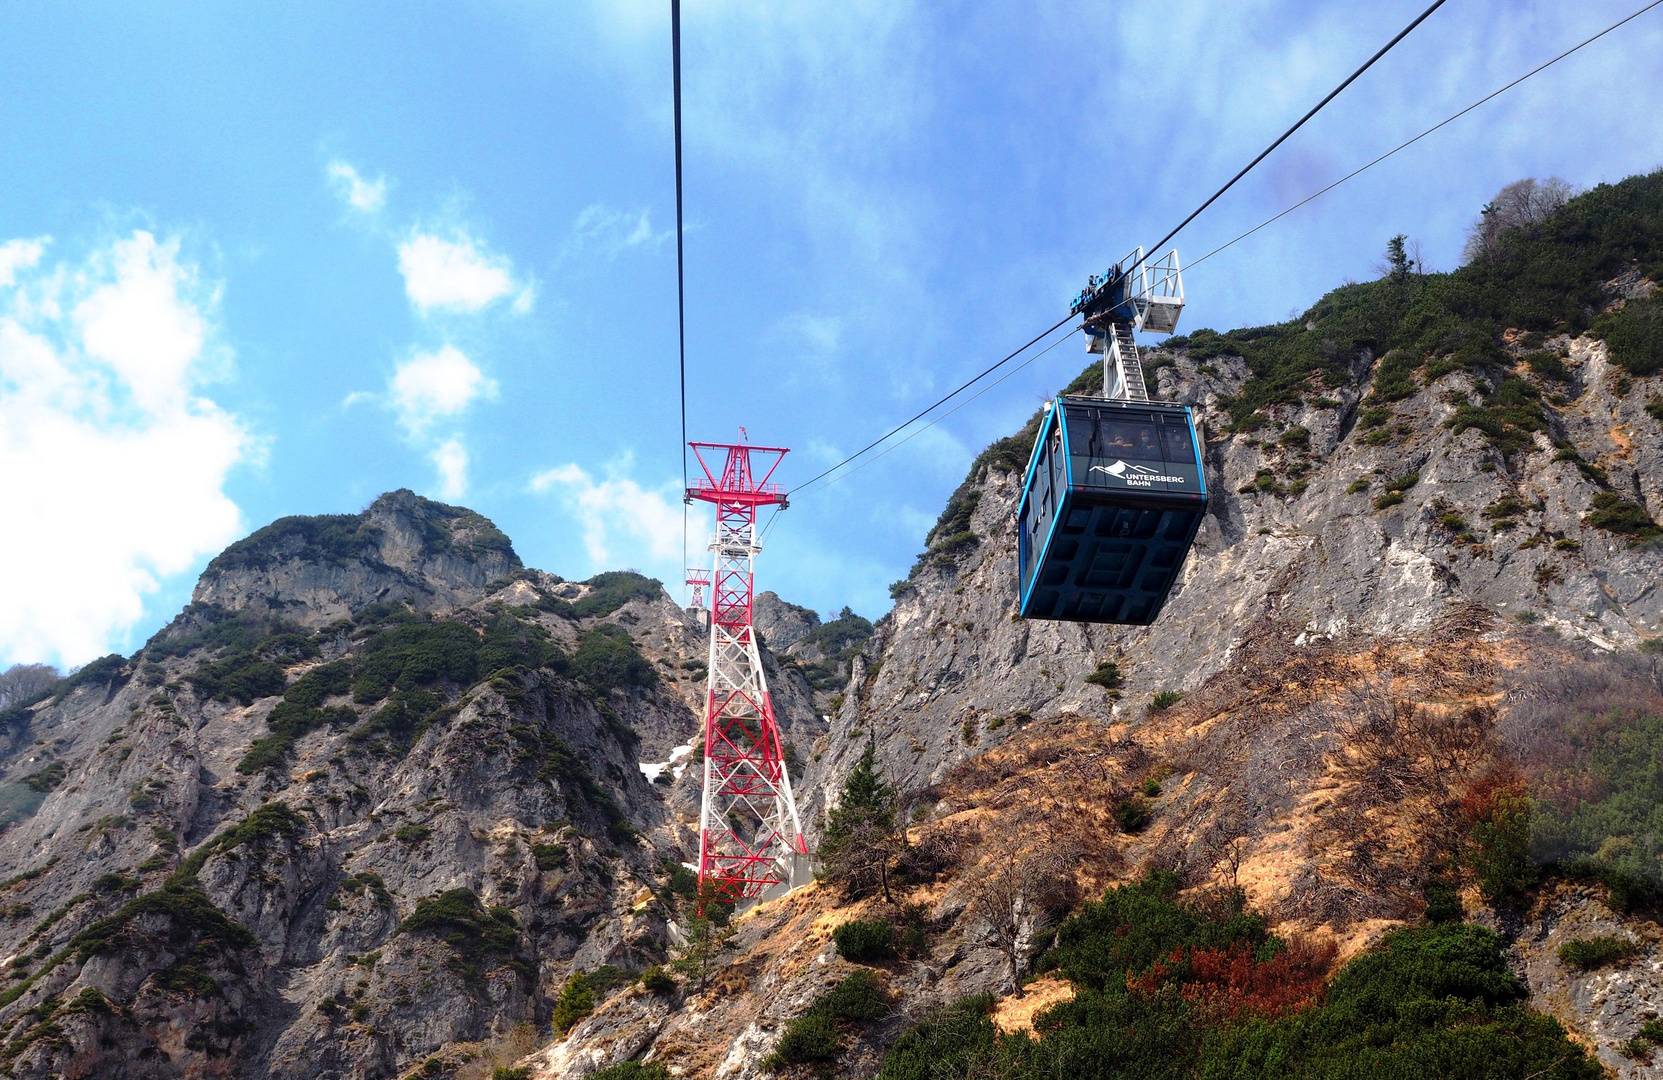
(681, 290)
(1440, 124)
(1332, 94)
(891, 433)
(939, 419)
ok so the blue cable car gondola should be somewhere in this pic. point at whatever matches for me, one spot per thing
(1115, 489)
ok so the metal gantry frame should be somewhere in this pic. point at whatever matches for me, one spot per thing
(750, 838)
(1134, 294)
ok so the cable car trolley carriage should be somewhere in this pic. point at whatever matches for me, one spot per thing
(1115, 489)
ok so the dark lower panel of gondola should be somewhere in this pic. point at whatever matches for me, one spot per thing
(1111, 563)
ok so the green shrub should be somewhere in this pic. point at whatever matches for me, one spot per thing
(1432, 1001)
(1388, 500)
(1297, 437)
(1596, 952)
(100, 672)
(1655, 408)
(1497, 850)
(1547, 365)
(1509, 414)
(1360, 484)
(606, 659)
(298, 713)
(612, 590)
(815, 1036)
(633, 1070)
(949, 1042)
(1634, 336)
(658, 981)
(1637, 1049)
(549, 856)
(576, 1000)
(1443, 901)
(414, 654)
(1613, 513)
(511, 1072)
(47, 779)
(865, 941)
(683, 882)
(1133, 814)
(811, 1037)
(1107, 676)
(1613, 834)
(1165, 699)
(477, 937)
(412, 834)
(241, 677)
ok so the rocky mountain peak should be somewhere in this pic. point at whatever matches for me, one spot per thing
(314, 570)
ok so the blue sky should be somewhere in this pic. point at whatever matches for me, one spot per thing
(258, 261)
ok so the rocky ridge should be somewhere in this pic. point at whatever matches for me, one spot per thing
(240, 855)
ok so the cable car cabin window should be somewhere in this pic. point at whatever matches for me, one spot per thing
(1176, 441)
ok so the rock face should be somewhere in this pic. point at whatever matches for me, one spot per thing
(1609, 1003)
(315, 570)
(375, 794)
(781, 624)
(1476, 527)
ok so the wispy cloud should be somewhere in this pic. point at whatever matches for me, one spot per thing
(457, 274)
(623, 522)
(611, 232)
(112, 465)
(451, 459)
(365, 196)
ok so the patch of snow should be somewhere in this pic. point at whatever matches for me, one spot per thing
(652, 770)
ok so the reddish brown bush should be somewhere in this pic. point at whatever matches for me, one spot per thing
(1230, 983)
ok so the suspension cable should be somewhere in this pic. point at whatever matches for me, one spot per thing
(897, 445)
(1405, 145)
(1332, 94)
(681, 290)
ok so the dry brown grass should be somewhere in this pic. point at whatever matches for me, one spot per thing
(1321, 777)
(479, 1060)
(1012, 1014)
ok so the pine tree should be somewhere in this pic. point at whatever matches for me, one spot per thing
(861, 836)
(1398, 262)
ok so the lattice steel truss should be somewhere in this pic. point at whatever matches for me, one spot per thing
(750, 839)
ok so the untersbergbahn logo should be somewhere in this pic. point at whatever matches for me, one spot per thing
(1136, 475)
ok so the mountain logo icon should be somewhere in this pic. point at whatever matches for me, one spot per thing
(1120, 468)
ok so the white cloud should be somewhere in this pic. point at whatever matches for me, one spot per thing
(451, 459)
(112, 467)
(457, 275)
(623, 523)
(366, 196)
(18, 255)
(135, 323)
(439, 384)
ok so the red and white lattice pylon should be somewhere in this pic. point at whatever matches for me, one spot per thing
(750, 839)
(697, 581)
